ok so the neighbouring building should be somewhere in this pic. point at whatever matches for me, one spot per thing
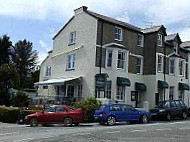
(95, 55)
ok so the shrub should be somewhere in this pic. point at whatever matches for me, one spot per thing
(89, 105)
(10, 115)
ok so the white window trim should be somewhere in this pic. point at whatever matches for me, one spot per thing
(161, 63)
(183, 68)
(141, 69)
(107, 51)
(74, 41)
(142, 43)
(170, 66)
(161, 40)
(121, 34)
(68, 62)
(49, 72)
(172, 90)
(125, 63)
(175, 43)
(123, 96)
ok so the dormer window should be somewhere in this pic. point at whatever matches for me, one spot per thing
(159, 41)
(175, 47)
(118, 34)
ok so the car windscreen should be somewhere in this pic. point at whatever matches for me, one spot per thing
(72, 108)
(164, 104)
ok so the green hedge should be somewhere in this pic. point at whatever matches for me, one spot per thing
(89, 105)
(10, 115)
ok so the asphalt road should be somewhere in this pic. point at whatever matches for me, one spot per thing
(173, 131)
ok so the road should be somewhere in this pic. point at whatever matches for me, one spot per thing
(174, 131)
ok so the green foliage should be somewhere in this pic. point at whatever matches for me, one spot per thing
(25, 60)
(10, 115)
(89, 105)
(5, 49)
(20, 99)
(8, 79)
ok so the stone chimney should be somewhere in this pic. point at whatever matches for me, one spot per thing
(80, 9)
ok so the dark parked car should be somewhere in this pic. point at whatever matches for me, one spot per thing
(111, 113)
(56, 115)
(170, 109)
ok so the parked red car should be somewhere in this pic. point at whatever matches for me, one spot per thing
(56, 115)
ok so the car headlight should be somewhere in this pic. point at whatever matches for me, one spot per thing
(26, 117)
(162, 110)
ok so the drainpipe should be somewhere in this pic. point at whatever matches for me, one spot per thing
(101, 43)
(164, 71)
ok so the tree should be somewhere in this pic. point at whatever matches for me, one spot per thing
(24, 59)
(8, 79)
(5, 49)
(20, 99)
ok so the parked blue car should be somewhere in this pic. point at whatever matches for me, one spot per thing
(112, 113)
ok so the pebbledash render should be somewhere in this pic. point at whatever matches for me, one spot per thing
(97, 56)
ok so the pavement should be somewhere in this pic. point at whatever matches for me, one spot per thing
(161, 131)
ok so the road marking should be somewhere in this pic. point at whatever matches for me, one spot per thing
(23, 140)
(8, 133)
(81, 134)
(163, 129)
(112, 132)
(138, 131)
(184, 128)
(46, 137)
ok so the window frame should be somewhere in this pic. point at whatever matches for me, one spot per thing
(160, 40)
(119, 34)
(172, 90)
(47, 71)
(108, 96)
(171, 66)
(120, 97)
(182, 67)
(72, 62)
(162, 62)
(176, 46)
(141, 60)
(107, 58)
(141, 41)
(123, 60)
(72, 37)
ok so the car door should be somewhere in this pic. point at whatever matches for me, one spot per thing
(46, 116)
(179, 108)
(174, 108)
(130, 113)
(117, 111)
(61, 113)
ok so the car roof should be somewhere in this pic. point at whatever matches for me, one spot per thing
(117, 104)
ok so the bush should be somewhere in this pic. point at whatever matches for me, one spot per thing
(10, 115)
(89, 105)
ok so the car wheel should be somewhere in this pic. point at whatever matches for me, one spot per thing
(33, 122)
(144, 119)
(184, 115)
(68, 122)
(168, 116)
(111, 120)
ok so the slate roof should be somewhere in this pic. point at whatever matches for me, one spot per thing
(170, 37)
(185, 44)
(151, 29)
(114, 21)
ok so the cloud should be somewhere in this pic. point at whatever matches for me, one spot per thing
(124, 17)
(43, 52)
(184, 34)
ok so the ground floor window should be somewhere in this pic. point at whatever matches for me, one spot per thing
(120, 93)
(171, 93)
(108, 90)
(70, 91)
(181, 95)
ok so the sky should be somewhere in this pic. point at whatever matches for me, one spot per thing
(39, 20)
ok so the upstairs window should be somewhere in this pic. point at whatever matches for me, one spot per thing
(109, 58)
(71, 61)
(181, 67)
(72, 38)
(160, 39)
(172, 66)
(48, 71)
(118, 34)
(140, 41)
(121, 60)
(160, 63)
(175, 47)
(139, 62)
